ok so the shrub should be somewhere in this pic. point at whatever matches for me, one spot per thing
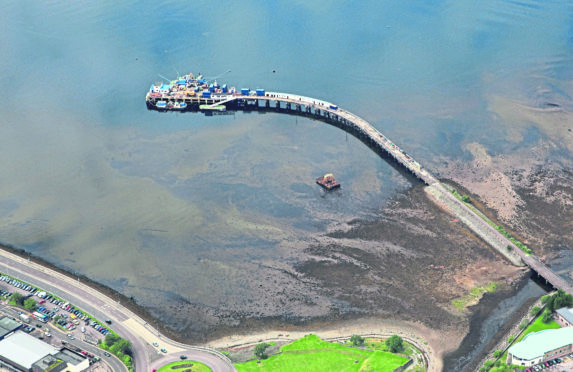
(534, 310)
(395, 344)
(357, 340)
(260, 350)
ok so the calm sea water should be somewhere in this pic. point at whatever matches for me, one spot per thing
(145, 201)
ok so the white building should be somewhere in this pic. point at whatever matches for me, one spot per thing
(20, 352)
(541, 346)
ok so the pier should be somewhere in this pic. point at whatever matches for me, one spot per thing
(330, 113)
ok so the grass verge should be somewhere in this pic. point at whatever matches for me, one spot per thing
(537, 326)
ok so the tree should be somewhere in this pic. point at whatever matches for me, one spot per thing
(260, 350)
(547, 316)
(30, 304)
(534, 310)
(124, 346)
(395, 344)
(111, 339)
(357, 340)
(497, 353)
(466, 199)
(17, 298)
(523, 324)
(545, 298)
(510, 339)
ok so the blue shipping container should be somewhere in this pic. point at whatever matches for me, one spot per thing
(211, 88)
(260, 92)
(206, 94)
(245, 91)
(224, 88)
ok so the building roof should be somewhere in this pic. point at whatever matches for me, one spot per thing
(70, 357)
(8, 325)
(25, 350)
(48, 363)
(536, 344)
(566, 313)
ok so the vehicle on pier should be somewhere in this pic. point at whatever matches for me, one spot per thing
(328, 182)
(212, 108)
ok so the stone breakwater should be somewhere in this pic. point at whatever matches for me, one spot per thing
(441, 196)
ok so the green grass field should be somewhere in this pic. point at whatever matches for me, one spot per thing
(537, 326)
(310, 353)
(197, 367)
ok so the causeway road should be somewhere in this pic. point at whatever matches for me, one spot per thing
(126, 323)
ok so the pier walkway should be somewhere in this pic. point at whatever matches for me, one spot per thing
(360, 128)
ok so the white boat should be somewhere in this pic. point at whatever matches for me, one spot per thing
(179, 106)
(161, 104)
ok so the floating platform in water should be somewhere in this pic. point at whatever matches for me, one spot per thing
(328, 182)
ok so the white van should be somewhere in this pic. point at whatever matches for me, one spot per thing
(83, 329)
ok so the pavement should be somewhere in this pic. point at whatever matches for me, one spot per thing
(127, 324)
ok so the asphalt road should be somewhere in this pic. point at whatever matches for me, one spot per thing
(127, 324)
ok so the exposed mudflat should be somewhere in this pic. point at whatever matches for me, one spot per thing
(409, 260)
(409, 264)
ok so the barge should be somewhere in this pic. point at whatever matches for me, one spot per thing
(328, 182)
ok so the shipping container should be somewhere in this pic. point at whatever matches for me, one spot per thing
(211, 88)
(224, 87)
(260, 92)
(206, 94)
(245, 91)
